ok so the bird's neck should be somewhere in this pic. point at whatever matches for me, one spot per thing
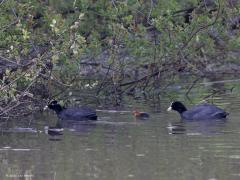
(58, 109)
(182, 109)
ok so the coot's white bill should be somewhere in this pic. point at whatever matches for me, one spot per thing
(169, 109)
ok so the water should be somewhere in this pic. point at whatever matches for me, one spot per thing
(121, 147)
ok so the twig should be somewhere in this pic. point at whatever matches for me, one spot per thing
(7, 109)
(59, 82)
(2, 2)
(7, 26)
(141, 79)
(192, 85)
(202, 28)
(114, 4)
(150, 12)
(33, 80)
(8, 85)
(186, 61)
(6, 59)
(103, 81)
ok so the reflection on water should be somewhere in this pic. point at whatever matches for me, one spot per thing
(207, 127)
(118, 146)
(176, 128)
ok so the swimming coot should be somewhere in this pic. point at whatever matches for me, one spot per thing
(198, 112)
(72, 113)
(140, 115)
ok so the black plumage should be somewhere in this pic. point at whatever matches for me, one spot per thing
(198, 112)
(73, 113)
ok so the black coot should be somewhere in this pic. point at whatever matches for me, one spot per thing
(198, 112)
(73, 113)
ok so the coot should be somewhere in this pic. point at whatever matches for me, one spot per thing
(139, 114)
(73, 113)
(198, 112)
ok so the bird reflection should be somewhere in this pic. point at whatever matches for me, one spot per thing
(54, 131)
(208, 127)
(176, 128)
(80, 128)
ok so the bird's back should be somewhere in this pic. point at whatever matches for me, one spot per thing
(78, 113)
(204, 111)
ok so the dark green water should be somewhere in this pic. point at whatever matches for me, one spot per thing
(119, 147)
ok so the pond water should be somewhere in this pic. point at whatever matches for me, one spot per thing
(120, 147)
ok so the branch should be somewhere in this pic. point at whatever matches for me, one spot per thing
(202, 28)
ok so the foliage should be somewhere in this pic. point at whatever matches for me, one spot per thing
(111, 47)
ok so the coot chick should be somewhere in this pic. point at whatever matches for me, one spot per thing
(140, 115)
(199, 112)
(73, 113)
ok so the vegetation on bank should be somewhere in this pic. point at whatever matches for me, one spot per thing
(111, 48)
